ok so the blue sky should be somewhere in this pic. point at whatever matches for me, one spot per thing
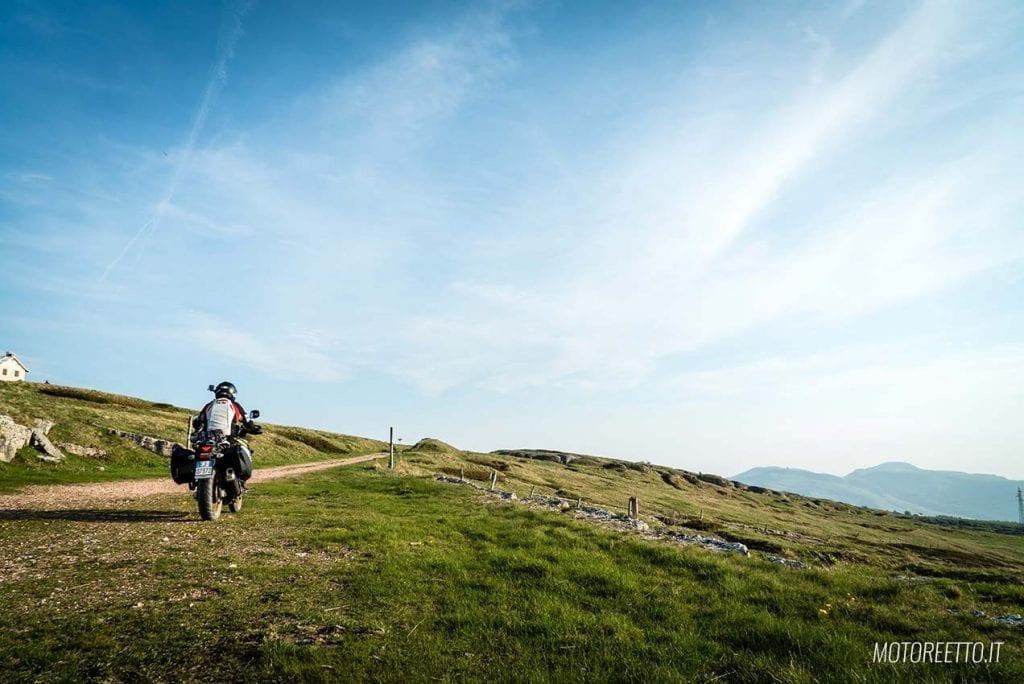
(710, 235)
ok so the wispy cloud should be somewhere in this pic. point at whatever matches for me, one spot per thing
(577, 219)
(295, 355)
(420, 85)
(687, 256)
(676, 246)
(230, 36)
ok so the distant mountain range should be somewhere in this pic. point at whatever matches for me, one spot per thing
(900, 487)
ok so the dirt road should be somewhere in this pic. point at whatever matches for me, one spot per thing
(58, 497)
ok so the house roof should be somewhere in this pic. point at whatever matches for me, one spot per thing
(11, 355)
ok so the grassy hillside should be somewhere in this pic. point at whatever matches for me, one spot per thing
(370, 574)
(80, 416)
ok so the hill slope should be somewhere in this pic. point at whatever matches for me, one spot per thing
(83, 416)
(371, 574)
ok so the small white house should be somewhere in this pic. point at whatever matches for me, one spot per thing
(11, 369)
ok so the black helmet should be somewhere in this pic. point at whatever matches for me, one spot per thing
(225, 390)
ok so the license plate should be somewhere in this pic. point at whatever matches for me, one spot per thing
(204, 470)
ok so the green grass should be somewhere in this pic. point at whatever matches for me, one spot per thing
(360, 574)
(367, 574)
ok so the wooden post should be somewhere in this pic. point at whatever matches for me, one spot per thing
(579, 501)
(702, 515)
(462, 473)
(634, 508)
(533, 490)
(391, 442)
(494, 479)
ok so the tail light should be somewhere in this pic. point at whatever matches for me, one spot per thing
(204, 451)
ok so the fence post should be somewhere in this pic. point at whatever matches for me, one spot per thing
(634, 508)
(533, 490)
(462, 473)
(702, 515)
(391, 445)
(494, 479)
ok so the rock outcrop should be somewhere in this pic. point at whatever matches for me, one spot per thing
(12, 437)
(42, 442)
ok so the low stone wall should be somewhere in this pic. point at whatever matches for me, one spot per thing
(79, 450)
(164, 447)
(616, 519)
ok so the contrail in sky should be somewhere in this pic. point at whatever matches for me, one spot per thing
(218, 78)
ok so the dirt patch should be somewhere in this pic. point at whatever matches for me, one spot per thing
(74, 497)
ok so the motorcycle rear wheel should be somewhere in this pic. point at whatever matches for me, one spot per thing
(209, 504)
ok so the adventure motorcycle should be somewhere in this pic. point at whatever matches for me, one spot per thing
(213, 467)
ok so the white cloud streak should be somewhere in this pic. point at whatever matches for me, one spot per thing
(296, 355)
(683, 261)
(230, 36)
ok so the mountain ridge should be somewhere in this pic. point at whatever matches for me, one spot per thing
(900, 486)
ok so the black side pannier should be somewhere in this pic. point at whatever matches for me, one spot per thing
(182, 465)
(240, 459)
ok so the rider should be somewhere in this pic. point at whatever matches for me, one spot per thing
(225, 418)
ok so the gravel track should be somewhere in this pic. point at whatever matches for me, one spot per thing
(59, 497)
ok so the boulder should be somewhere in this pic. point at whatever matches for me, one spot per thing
(12, 438)
(44, 425)
(42, 442)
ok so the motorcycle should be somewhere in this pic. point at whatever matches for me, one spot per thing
(211, 468)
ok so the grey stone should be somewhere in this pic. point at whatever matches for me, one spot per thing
(42, 442)
(788, 562)
(712, 543)
(44, 425)
(157, 446)
(12, 437)
(79, 450)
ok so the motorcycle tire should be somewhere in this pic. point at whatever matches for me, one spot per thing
(209, 508)
(235, 505)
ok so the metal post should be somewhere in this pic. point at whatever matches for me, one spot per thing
(391, 443)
